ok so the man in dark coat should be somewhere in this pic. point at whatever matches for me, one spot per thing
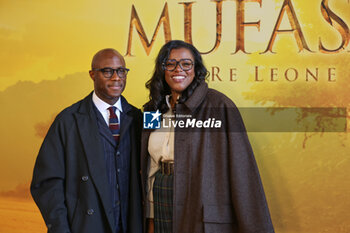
(86, 177)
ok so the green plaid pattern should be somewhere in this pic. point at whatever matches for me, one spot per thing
(163, 203)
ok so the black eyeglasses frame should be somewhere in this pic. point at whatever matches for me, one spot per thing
(103, 70)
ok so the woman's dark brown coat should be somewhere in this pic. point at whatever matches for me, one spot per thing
(217, 187)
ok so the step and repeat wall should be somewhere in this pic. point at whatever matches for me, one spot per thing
(285, 64)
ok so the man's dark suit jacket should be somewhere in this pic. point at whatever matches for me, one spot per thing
(70, 184)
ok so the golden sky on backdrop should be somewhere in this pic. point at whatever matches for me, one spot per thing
(44, 40)
(48, 45)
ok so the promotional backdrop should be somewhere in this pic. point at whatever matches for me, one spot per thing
(260, 53)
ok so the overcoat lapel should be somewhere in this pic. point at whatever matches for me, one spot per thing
(89, 134)
(125, 123)
(144, 147)
(125, 119)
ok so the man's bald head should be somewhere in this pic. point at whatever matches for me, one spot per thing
(105, 54)
(108, 85)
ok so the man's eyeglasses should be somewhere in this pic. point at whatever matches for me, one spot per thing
(185, 64)
(108, 72)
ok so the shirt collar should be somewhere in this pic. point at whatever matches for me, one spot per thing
(167, 100)
(103, 106)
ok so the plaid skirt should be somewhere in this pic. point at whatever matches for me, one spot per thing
(163, 203)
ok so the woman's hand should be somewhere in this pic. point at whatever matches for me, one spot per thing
(150, 225)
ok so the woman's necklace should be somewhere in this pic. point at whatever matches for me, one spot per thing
(173, 105)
